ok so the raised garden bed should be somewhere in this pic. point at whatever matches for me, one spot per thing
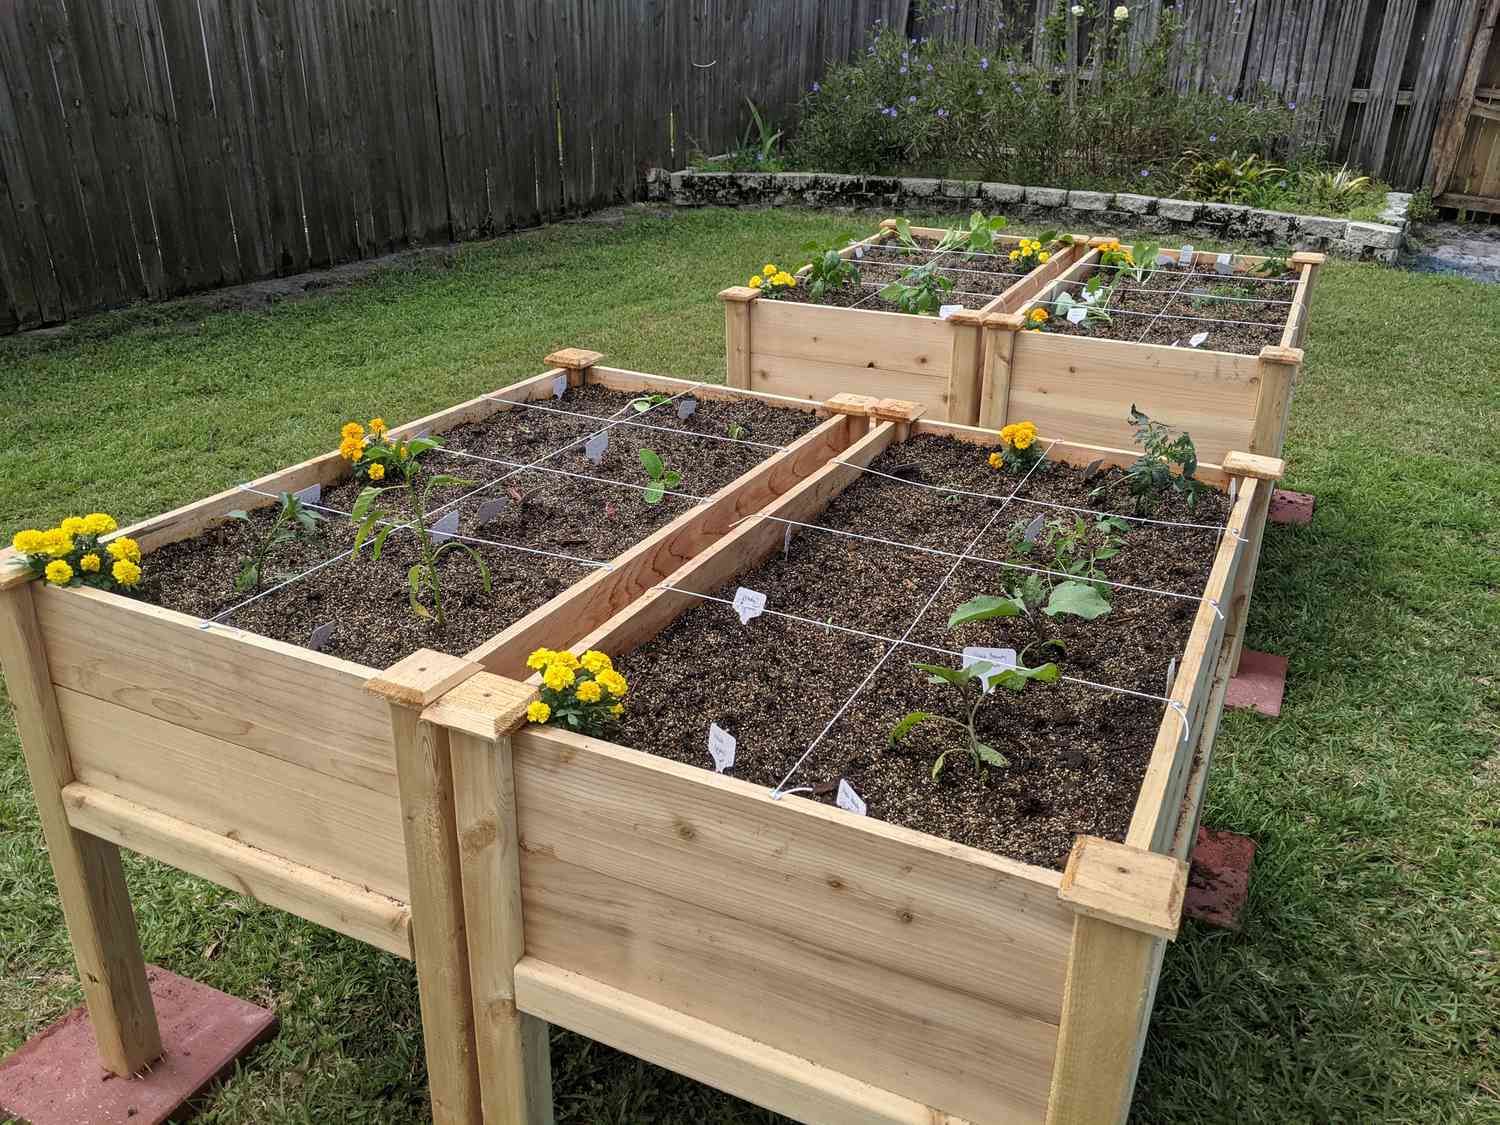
(856, 341)
(840, 967)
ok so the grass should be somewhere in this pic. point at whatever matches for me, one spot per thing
(1366, 981)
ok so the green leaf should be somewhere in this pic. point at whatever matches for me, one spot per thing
(671, 478)
(239, 514)
(653, 494)
(380, 541)
(365, 501)
(418, 446)
(1016, 679)
(443, 480)
(893, 291)
(983, 608)
(937, 766)
(908, 723)
(652, 463)
(249, 578)
(991, 755)
(941, 674)
(364, 529)
(1076, 598)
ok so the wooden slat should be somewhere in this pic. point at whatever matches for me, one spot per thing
(308, 893)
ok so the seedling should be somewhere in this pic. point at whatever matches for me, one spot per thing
(1167, 465)
(828, 270)
(920, 290)
(1275, 264)
(1035, 599)
(662, 478)
(423, 579)
(294, 520)
(980, 753)
(643, 403)
(1076, 549)
(737, 431)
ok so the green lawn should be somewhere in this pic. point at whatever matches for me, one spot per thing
(1365, 985)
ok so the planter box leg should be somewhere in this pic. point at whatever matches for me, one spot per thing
(515, 1069)
(737, 303)
(999, 348)
(90, 881)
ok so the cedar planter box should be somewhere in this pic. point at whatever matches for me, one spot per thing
(268, 767)
(816, 351)
(826, 965)
(1082, 382)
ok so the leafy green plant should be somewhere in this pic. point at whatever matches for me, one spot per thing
(757, 150)
(736, 431)
(424, 579)
(1167, 466)
(962, 679)
(827, 269)
(919, 290)
(1036, 600)
(1336, 189)
(662, 478)
(979, 238)
(643, 403)
(1076, 548)
(1421, 208)
(294, 520)
(1227, 179)
(1275, 264)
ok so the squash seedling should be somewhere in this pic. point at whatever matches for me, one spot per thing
(662, 478)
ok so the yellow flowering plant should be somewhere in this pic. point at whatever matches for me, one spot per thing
(772, 281)
(1032, 252)
(584, 693)
(294, 520)
(75, 553)
(374, 455)
(1018, 451)
(1134, 262)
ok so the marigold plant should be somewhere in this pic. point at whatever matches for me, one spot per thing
(771, 281)
(1032, 252)
(374, 454)
(581, 693)
(1018, 452)
(73, 554)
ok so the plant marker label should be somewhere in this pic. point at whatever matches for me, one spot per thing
(1076, 314)
(1197, 341)
(999, 658)
(1171, 674)
(1185, 256)
(321, 636)
(945, 311)
(1224, 263)
(687, 407)
(1034, 528)
(1092, 470)
(749, 604)
(1165, 260)
(786, 541)
(419, 434)
(721, 746)
(489, 510)
(309, 495)
(849, 800)
(560, 385)
(1234, 489)
(445, 528)
(594, 448)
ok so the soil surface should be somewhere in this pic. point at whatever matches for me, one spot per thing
(977, 278)
(1076, 753)
(1239, 312)
(542, 511)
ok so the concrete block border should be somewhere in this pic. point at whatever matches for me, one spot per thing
(1092, 211)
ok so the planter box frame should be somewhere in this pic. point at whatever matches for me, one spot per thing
(833, 968)
(270, 768)
(818, 351)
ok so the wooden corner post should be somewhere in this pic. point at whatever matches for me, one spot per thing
(1000, 332)
(576, 362)
(1278, 367)
(424, 773)
(738, 301)
(966, 370)
(90, 880)
(1266, 471)
(1127, 904)
(515, 1069)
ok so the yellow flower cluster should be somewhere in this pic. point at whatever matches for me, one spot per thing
(1038, 315)
(1029, 253)
(352, 443)
(772, 278)
(1018, 435)
(1112, 253)
(538, 712)
(577, 691)
(63, 553)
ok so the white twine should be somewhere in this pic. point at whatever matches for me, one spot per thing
(575, 476)
(644, 426)
(1207, 297)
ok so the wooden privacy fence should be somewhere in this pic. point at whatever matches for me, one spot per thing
(153, 147)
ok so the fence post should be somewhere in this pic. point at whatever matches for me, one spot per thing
(737, 305)
(424, 772)
(1000, 330)
(515, 1071)
(90, 880)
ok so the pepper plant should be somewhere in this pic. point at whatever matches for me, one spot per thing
(294, 520)
(919, 290)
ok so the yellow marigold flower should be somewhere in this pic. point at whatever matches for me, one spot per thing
(589, 692)
(57, 542)
(557, 677)
(786, 279)
(59, 573)
(1015, 255)
(403, 452)
(1007, 433)
(352, 431)
(539, 659)
(1023, 435)
(770, 270)
(91, 562)
(97, 523)
(538, 712)
(352, 450)
(755, 282)
(613, 682)
(596, 661)
(617, 710)
(377, 471)
(997, 461)
(377, 426)
(126, 572)
(29, 542)
(1038, 316)
(566, 659)
(73, 525)
(1043, 256)
(126, 549)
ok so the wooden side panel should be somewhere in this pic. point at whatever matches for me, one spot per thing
(1084, 388)
(816, 353)
(794, 924)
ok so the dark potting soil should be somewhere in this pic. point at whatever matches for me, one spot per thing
(1171, 307)
(977, 279)
(1077, 754)
(367, 599)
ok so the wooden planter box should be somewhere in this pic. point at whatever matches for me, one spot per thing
(817, 351)
(268, 767)
(831, 967)
(1084, 387)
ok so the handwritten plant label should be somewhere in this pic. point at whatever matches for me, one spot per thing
(1224, 263)
(786, 542)
(945, 311)
(686, 407)
(595, 447)
(489, 510)
(849, 800)
(1076, 314)
(999, 660)
(721, 746)
(749, 604)
(445, 528)
(321, 636)
(1165, 260)
(1185, 256)
(1234, 488)
(859, 251)
(1197, 340)
(1171, 674)
(560, 386)
(1034, 528)
(309, 495)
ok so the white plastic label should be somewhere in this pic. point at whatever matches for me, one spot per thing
(859, 251)
(309, 495)
(321, 636)
(445, 528)
(849, 800)
(1224, 263)
(1197, 341)
(595, 447)
(786, 542)
(489, 510)
(1165, 260)
(560, 386)
(948, 310)
(1076, 314)
(1000, 658)
(686, 407)
(1185, 256)
(1034, 528)
(749, 604)
(721, 746)
(1171, 674)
